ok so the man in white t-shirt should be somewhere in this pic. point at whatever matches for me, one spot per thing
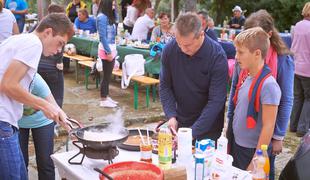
(8, 23)
(143, 25)
(20, 56)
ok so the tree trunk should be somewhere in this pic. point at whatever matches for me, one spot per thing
(190, 5)
(176, 9)
(156, 5)
(42, 7)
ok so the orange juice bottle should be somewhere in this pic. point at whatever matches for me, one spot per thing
(264, 148)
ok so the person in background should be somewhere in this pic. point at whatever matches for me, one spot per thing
(94, 7)
(256, 98)
(124, 4)
(135, 10)
(8, 23)
(72, 12)
(300, 118)
(163, 32)
(237, 21)
(107, 48)
(42, 130)
(143, 25)
(19, 8)
(193, 80)
(210, 23)
(84, 22)
(282, 67)
(204, 21)
(51, 67)
(17, 69)
(73, 9)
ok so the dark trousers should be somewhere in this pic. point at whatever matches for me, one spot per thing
(128, 28)
(43, 138)
(55, 81)
(21, 23)
(300, 118)
(66, 62)
(242, 156)
(107, 72)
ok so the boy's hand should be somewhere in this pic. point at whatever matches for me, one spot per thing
(276, 146)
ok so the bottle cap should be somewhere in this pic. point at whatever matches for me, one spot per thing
(259, 152)
(264, 147)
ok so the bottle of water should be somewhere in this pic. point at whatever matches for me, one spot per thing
(264, 148)
(259, 162)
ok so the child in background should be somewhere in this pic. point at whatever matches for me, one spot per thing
(256, 98)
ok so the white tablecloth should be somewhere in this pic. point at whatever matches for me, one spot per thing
(86, 171)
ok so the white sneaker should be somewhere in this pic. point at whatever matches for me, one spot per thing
(111, 100)
(107, 103)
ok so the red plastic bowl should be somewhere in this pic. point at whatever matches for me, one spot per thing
(133, 170)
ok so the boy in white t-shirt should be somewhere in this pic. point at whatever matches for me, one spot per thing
(20, 56)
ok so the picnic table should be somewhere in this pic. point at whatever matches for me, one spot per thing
(89, 47)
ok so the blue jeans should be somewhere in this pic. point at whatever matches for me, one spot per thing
(55, 81)
(21, 24)
(43, 138)
(12, 166)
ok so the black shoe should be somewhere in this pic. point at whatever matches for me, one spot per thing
(300, 134)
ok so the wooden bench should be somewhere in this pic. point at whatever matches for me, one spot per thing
(88, 65)
(144, 80)
(77, 58)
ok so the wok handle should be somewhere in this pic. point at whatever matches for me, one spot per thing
(103, 173)
(71, 121)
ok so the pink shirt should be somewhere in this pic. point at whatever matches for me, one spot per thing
(301, 48)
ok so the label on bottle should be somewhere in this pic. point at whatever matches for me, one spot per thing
(164, 148)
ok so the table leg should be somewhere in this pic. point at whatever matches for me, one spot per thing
(154, 92)
(147, 96)
(86, 77)
(135, 96)
(77, 71)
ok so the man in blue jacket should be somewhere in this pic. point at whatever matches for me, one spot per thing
(193, 80)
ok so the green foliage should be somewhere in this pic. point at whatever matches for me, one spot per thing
(285, 12)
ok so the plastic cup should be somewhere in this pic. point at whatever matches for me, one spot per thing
(146, 152)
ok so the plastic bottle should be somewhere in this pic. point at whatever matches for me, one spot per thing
(264, 148)
(259, 162)
(165, 148)
(222, 143)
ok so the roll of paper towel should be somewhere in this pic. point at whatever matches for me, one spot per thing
(184, 144)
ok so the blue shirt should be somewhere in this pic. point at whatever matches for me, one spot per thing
(90, 24)
(32, 118)
(211, 33)
(17, 5)
(193, 89)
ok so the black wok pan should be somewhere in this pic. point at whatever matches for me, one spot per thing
(97, 145)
